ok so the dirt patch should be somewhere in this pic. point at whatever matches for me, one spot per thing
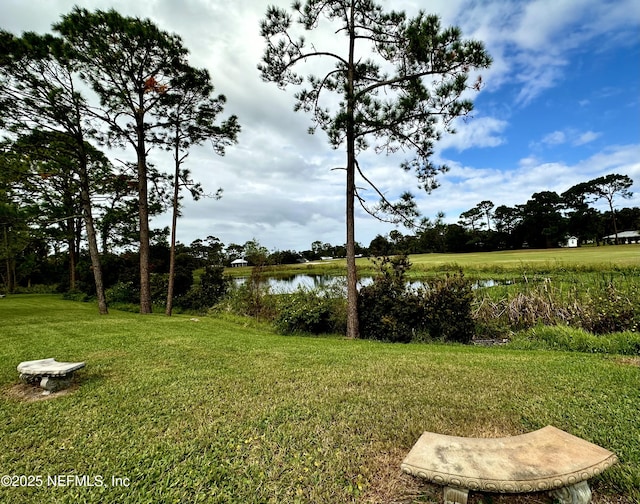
(629, 361)
(389, 485)
(28, 393)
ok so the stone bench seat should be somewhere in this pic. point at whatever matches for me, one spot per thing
(51, 374)
(548, 459)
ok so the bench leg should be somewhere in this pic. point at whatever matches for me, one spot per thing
(455, 495)
(51, 384)
(580, 493)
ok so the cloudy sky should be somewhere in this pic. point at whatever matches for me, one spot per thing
(560, 105)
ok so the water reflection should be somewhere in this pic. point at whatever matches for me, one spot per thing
(287, 285)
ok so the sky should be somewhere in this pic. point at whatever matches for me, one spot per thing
(560, 105)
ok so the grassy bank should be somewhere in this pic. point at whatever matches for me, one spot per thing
(223, 410)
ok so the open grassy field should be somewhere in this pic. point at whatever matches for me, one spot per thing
(222, 410)
(582, 257)
(481, 264)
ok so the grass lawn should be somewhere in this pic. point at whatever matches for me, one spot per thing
(581, 257)
(224, 410)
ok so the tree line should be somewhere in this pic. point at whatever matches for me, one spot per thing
(546, 220)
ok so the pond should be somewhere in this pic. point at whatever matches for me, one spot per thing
(287, 285)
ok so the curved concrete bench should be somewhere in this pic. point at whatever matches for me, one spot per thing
(51, 374)
(548, 459)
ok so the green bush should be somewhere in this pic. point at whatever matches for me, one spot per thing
(387, 309)
(314, 311)
(212, 288)
(34, 289)
(76, 295)
(446, 308)
(123, 292)
(252, 298)
(159, 285)
(391, 310)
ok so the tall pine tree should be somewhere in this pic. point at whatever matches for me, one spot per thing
(400, 84)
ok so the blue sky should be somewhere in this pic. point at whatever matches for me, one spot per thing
(560, 105)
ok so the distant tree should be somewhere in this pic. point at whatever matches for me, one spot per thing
(407, 108)
(431, 235)
(380, 246)
(208, 251)
(52, 188)
(234, 251)
(254, 253)
(506, 218)
(485, 208)
(505, 221)
(582, 221)
(284, 257)
(608, 187)
(628, 218)
(14, 237)
(542, 224)
(471, 218)
(456, 238)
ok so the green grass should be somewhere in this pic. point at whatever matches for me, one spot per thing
(224, 410)
(582, 257)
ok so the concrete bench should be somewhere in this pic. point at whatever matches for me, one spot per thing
(548, 459)
(50, 374)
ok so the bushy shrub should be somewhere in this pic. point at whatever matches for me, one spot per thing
(390, 310)
(212, 288)
(123, 292)
(387, 309)
(314, 311)
(252, 298)
(35, 289)
(76, 295)
(159, 284)
(214, 284)
(446, 308)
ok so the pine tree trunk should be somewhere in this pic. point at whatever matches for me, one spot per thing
(352, 277)
(96, 264)
(143, 213)
(615, 224)
(8, 282)
(71, 244)
(174, 223)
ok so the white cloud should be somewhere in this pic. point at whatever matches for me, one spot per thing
(586, 137)
(569, 135)
(465, 186)
(555, 138)
(475, 132)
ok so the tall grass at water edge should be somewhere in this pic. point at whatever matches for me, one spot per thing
(600, 303)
